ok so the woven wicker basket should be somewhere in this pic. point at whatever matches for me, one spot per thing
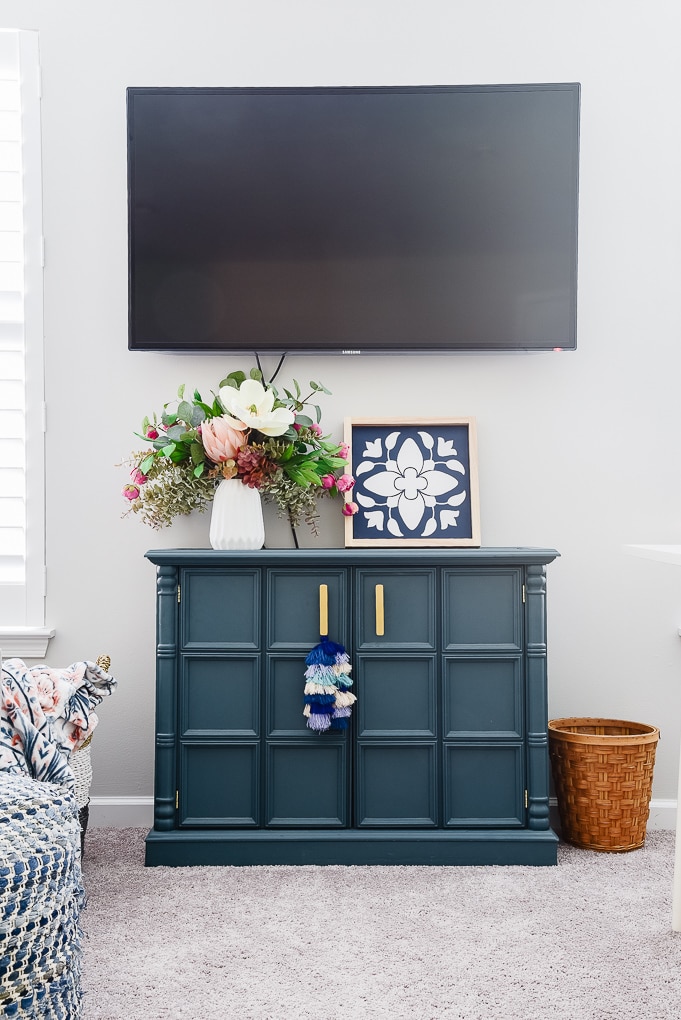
(603, 775)
(81, 766)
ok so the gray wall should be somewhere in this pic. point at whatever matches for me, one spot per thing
(577, 451)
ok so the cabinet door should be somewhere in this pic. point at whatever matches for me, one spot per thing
(483, 785)
(293, 608)
(395, 609)
(219, 696)
(219, 784)
(397, 697)
(483, 706)
(219, 766)
(397, 711)
(396, 784)
(306, 774)
(482, 608)
(219, 609)
(396, 759)
(306, 783)
(482, 697)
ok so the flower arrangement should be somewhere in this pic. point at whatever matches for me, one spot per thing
(269, 441)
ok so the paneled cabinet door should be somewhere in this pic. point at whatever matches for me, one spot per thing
(483, 698)
(219, 710)
(396, 781)
(306, 774)
(395, 609)
(219, 716)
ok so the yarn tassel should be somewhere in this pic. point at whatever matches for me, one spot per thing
(319, 722)
(327, 702)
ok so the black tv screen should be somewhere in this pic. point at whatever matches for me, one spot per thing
(397, 219)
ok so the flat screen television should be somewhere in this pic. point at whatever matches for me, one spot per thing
(353, 220)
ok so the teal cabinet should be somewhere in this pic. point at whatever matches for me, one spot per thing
(446, 757)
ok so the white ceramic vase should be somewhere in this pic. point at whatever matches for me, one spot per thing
(236, 520)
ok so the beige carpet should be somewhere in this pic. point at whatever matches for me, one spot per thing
(588, 940)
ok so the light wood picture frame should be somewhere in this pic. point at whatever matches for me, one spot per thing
(416, 482)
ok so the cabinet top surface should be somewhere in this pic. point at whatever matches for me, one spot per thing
(353, 557)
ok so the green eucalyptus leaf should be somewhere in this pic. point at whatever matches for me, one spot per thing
(180, 392)
(168, 450)
(184, 411)
(199, 469)
(188, 437)
(197, 454)
(175, 432)
(146, 464)
(234, 379)
(198, 415)
(302, 419)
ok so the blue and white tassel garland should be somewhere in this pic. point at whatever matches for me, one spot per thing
(328, 702)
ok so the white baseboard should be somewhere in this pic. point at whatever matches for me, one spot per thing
(662, 814)
(125, 812)
(121, 812)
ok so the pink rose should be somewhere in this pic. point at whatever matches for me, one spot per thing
(220, 440)
(349, 509)
(345, 483)
(138, 478)
(317, 429)
(343, 451)
(152, 434)
(328, 481)
(131, 492)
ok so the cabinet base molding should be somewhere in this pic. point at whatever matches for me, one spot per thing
(351, 847)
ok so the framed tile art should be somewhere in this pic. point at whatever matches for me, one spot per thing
(416, 482)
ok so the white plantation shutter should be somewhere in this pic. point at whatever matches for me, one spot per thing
(21, 356)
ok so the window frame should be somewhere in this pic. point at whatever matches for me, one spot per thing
(22, 606)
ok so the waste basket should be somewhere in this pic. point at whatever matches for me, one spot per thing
(603, 777)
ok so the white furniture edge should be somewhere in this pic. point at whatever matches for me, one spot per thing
(662, 553)
(25, 642)
(668, 554)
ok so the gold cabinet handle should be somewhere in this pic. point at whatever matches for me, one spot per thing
(380, 619)
(323, 610)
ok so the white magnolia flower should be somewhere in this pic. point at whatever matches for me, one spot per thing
(251, 407)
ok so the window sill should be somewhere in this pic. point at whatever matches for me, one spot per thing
(24, 642)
